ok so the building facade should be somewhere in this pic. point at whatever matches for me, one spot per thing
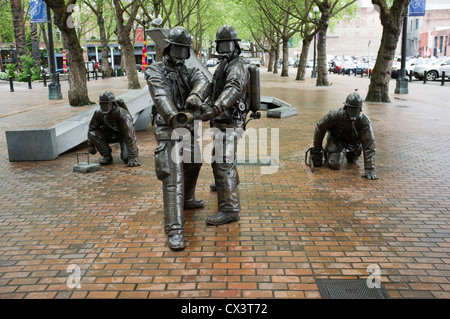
(435, 30)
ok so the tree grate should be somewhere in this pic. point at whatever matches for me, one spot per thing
(349, 289)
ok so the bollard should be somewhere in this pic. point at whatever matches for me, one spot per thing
(96, 75)
(425, 77)
(362, 73)
(443, 78)
(11, 85)
(410, 76)
(29, 81)
(45, 80)
(87, 73)
(103, 75)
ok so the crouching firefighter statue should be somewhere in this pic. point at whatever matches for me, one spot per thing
(113, 123)
(177, 92)
(349, 134)
(235, 92)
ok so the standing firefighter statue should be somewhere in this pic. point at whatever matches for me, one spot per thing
(229, 105)
(177, 92)
(113, 124)
(349, 134)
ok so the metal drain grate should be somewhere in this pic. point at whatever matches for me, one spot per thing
(349, 289)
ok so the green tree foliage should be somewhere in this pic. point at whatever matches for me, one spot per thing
(6, 24)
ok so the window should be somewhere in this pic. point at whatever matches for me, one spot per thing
(417, 24)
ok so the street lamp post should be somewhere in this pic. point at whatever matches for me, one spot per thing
(402, 79)
(314, 70)
(54, 88)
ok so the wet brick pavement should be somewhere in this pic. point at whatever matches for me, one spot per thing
(296, 226)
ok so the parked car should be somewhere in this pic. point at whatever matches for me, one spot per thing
(255, 61)
(357, 68)
(212, 62)
(57, 71)
(336, 66)
(434, 69)
(348, 68)
(409, 66)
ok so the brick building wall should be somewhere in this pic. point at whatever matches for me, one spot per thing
(435, 33)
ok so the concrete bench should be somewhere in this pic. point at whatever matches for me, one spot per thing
(49, 143)
(270, 102)
(281, 112)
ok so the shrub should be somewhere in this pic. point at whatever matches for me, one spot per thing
(11, 70)
(28, 67)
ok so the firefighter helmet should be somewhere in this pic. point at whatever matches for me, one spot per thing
(227, 33)
(179, 36)
(354, 100)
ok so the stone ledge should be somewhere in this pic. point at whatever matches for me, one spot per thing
(49, 143)
(281, 112)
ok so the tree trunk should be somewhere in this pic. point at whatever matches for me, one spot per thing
(129, 60)
(285, 64)
(35, 44)
(301, 71)
(19, 28)
(322, 66)
(127, 50)
(106, 68)
(391, 19)
(271, 59)
(78, 92)
(43, 32)
(379, 82)
(276, 61)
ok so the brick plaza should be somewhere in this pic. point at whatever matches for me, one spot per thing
(296, 226)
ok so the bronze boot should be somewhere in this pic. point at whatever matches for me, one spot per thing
(222, 218)
(106, 160)
(175, 240)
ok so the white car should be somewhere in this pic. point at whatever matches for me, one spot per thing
(409, 66)
(255, 61)
(433, 69)
(212, 62)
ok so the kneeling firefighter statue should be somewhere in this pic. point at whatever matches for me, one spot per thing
(349, 133)
(235, 92)
(177, 92)
(113, 123)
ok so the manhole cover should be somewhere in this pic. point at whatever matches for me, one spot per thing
(349, 289)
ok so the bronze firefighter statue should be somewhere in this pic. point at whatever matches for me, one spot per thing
(228, 107)
(113, 124)
(349, 133)
(178, 92)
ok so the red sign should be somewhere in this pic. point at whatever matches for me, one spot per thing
(140, 35)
